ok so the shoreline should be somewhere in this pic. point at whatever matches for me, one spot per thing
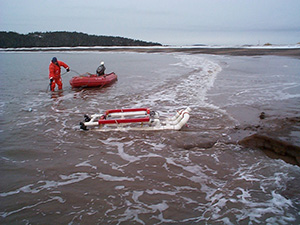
(292, 52)
(233, 51)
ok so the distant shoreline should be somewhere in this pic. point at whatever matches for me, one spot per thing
(234, 51)
(293, 52)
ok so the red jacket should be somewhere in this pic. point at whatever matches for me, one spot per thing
(54, 70)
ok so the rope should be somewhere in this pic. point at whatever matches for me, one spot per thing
(75, 72)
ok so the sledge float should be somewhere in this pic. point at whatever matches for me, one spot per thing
(92, 80)
(135, 119)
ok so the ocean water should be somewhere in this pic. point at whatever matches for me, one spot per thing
(52, 171)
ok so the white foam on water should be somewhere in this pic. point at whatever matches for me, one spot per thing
(137, 207)
(48, 184)
(189, 89)
(154, 192)
(155, 146)
(107, 177)
(123, 155)
(238, 190)
(55, 198)
(86, 164)
(119, 187)
(202, 78)
(254, 211)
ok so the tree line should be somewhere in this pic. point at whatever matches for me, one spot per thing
(64, 39)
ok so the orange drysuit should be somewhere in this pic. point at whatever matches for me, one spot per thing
(54, 74)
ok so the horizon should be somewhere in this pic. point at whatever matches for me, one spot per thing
(209, 22)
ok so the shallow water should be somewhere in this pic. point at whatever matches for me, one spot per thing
(52, 171)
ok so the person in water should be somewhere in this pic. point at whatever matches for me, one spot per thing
(54, 73)
(101, 69)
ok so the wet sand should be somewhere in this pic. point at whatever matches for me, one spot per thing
(276, 134)
(259, 51)
(293, 52)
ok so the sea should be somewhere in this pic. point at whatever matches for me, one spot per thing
(54, 173)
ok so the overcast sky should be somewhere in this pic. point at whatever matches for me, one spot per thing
(170, 22)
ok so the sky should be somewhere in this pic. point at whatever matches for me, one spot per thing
(169, 22)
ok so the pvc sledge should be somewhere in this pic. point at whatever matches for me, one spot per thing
(135, 119)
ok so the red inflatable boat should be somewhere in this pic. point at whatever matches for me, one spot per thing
(92, 80)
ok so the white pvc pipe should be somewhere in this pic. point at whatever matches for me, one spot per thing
(182, 122)
(175, 123)
(121, 114)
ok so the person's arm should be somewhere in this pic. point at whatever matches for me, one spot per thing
(98, 70)
(64, 65)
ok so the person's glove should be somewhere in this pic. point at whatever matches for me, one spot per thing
(68, 69)
(51, 80)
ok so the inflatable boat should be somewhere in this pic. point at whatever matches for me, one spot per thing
(92, 80)
(135, 119)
